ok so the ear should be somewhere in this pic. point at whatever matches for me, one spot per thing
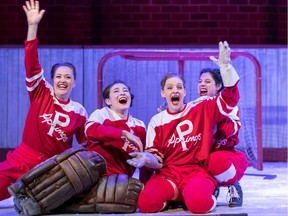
(74, 84)
(162, 94)
(107, 102)
(218, 86)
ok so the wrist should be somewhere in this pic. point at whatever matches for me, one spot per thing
(224, 66)
(229, 75)
(124, 133)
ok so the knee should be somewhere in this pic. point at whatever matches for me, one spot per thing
(198, 195)
(149, 203)
(218, 163)
(216, 157)
(201, 205)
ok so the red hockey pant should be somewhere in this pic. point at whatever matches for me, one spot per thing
(197, 194)
(17, 163)
(227, 166)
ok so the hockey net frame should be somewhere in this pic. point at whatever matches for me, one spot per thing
(181, 57)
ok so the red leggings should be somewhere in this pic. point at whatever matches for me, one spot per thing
(197, 194)
(17, 163)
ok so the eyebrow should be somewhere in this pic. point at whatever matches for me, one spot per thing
(118, 88)
(206, 79)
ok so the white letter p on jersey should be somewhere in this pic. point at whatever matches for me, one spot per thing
(184, 133)
(57, 121)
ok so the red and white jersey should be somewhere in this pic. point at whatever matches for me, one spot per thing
(104, 130)
(51, 123)
(226, 135)
(183, 138)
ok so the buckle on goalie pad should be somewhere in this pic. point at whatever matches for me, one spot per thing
(56, 180)
(117, 193)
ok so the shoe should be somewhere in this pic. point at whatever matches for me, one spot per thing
(177, 204)
(235, 195)
(216, 192)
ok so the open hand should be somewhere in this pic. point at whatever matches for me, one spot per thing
(224, 55)
(31, 9)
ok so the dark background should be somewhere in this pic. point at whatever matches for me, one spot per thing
(149, 22)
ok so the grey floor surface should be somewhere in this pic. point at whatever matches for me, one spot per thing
(265, 193)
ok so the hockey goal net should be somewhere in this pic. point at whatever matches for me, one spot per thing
(142, 70)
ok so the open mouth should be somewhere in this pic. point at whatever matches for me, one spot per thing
(203, 92)
(175, 99)
(123, 100)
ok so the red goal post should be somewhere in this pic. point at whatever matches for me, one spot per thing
(252, 116)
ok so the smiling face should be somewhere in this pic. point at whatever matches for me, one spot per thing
(207, 85)
(63, 82)
(119, 99)
(174, 92)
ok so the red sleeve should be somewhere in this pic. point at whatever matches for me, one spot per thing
(31, 59)
(228, 124)
(228, 127)
(35, 81)
(226, 137)
(230, 97)
(103, 133)
(80, 133)
(142, 136)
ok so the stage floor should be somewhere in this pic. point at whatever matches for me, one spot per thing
(265, 193)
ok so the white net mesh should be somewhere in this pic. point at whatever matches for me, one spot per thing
(144, 76)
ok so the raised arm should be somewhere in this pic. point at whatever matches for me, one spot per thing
(34, 16)
(229, 97)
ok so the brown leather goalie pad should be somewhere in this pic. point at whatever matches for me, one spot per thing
(117, 193)
(56, 180)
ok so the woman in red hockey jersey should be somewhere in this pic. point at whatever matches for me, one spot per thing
(114, 133)
(224, 163)
(53, 118)
(179, 141)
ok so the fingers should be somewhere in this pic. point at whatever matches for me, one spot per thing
(212, 58)
(36, 6)
(133, 154)
(134, 162)
(138, 160)
(136, 155)
(131, 162)
(31, 5)
(224, 54)
(140, 145)
(224, 46)
(25, 8)
(135, 140)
